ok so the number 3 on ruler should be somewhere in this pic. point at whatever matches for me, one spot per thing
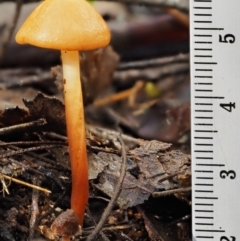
(224, 238)
(231, 174)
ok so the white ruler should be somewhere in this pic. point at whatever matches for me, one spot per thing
(215, 100)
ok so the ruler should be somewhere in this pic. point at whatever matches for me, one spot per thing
(215, 116)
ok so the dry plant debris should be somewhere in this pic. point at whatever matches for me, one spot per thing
(152, 201)
(152, 167)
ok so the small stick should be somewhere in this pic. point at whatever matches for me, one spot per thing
(115, 194)
(46, 191)
(27, 143)
(107, 134)
(34, 209)
(126, 94)
(104, 237)
(169, 192)
(21, 151)
(146, 63)
(22, 127)
(181, 17)
(5, 187)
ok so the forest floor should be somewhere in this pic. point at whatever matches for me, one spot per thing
(138, 87)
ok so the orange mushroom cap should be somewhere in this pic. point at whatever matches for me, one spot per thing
(64, 25)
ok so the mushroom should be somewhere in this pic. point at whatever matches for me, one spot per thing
(66, 225)
(69, 26)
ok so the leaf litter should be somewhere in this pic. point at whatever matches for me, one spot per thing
(151, 165)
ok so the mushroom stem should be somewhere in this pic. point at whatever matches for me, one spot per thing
(75, 131)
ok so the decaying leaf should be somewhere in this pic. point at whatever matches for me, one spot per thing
(96, 166)
(49, 108)
(12, 116)
(150, 167)
(41, 106)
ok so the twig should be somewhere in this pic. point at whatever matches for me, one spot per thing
(55, 136)
(181, 17)
(25, 167)
(180, 4)
(125, 236)
(107, 134)
(31, 154)
(115, 194)
(22, 127)
(180, 58)
(92, 219)
(169, 192)
(151, 73)
(34, 209)
(27, 143)
(21, 151)
(112, 228)
(46, 191)
(129, 94)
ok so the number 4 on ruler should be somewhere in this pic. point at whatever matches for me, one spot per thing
(228, 107)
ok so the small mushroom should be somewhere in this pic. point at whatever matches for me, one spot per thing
(69, 26)
(66, 225)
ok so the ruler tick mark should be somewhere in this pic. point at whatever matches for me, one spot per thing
(202, 7)
(207, 230)
(203, 14)
(204, 171)
(210, 198)
(205, 237)
(210, 165)
(209, 97)
(203, 144)
(204, 211)
(204, 224)
(202, 49)
(204, 158)
(203, 42)
(203, 111)
(203, 56)
(206, 131)
(203, 70)
(203, 151)
(205, 62)
(203, 117)
(202, 35)
(207, 178)
(202, 22)
(209, 29)
(204, 204)
(208, 1)
(203, 104)
(201, 90)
